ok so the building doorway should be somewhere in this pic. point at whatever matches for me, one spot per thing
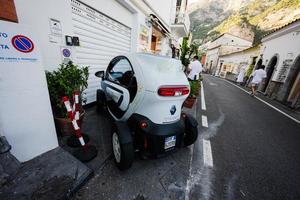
(210, 67)
(259, 63)
(270, 70)
(220, 68)
(156, 40)
(153, 43)
(294, 86)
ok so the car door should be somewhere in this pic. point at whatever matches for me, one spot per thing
(118, 75)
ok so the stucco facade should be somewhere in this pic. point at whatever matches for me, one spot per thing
(232, 63)
(224, 44)
(281, 53)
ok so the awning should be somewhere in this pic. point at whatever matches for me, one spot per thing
(156, 21)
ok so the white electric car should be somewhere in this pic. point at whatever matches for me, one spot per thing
(144, 94)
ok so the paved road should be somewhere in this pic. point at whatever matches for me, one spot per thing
(255, 149)
(248, 151)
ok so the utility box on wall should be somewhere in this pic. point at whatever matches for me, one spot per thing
(25, 112)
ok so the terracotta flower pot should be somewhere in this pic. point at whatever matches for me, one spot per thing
(64, 125)
(189, 102)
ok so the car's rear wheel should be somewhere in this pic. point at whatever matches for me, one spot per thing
(191, 131)
(123, 152)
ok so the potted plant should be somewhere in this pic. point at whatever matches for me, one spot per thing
(63, 82)
(195, 87)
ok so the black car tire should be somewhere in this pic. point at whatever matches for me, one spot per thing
(191, 130)
(126, 149)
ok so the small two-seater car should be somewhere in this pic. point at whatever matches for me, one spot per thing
(144, 94)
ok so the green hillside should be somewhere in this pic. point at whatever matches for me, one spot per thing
(254, 19)
(260, 16)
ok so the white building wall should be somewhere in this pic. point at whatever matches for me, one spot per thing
(26, 118)
(38, 13)
(236, 60)
(162, 8)
(226, 49)
(227, 44)
(212, 57)
(286, 46)
(230, 40)
(25, 113)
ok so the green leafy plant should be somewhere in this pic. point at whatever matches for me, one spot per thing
(249, 70)
(193, 50)
(184, 52)
(63, 82)
(195, 87)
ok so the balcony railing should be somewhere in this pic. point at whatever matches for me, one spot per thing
(182, 18)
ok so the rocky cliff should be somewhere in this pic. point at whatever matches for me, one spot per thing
(249, 19)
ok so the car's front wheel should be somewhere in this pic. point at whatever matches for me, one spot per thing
(123, 151)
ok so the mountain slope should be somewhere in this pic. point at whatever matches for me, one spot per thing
(253, 20)
(259, 17)
(207, 14)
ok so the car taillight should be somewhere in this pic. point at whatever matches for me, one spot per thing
(143, 124)
(169, 91)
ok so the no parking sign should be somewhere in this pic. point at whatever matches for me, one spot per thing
(17, 45)
(66, 54)
(22, 43)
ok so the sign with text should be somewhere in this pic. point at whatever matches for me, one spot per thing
(283, 70)
(16, 45)
(24, 93)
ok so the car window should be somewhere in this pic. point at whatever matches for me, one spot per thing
(121, 72)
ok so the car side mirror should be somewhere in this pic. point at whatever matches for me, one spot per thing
(100, 74)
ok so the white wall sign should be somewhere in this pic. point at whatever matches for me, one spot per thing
(55, 27)
(17, 47)
(283, 70)
(25, 112)
(55, 35)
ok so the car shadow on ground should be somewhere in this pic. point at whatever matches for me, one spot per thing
(163, 178)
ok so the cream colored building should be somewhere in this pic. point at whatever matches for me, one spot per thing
(281, 55)
(229, 65)
(224, 44)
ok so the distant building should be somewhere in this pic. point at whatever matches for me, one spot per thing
(281, 55)
(224, 44)
(231, 64)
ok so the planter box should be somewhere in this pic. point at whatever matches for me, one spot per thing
(189, 102)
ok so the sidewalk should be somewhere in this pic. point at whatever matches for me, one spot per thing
(53, 175)
(97, 126)
(57, 174)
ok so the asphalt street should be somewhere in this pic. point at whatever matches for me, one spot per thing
(255, 149)
(246, 150)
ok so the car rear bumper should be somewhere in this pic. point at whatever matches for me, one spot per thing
(151, 140)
